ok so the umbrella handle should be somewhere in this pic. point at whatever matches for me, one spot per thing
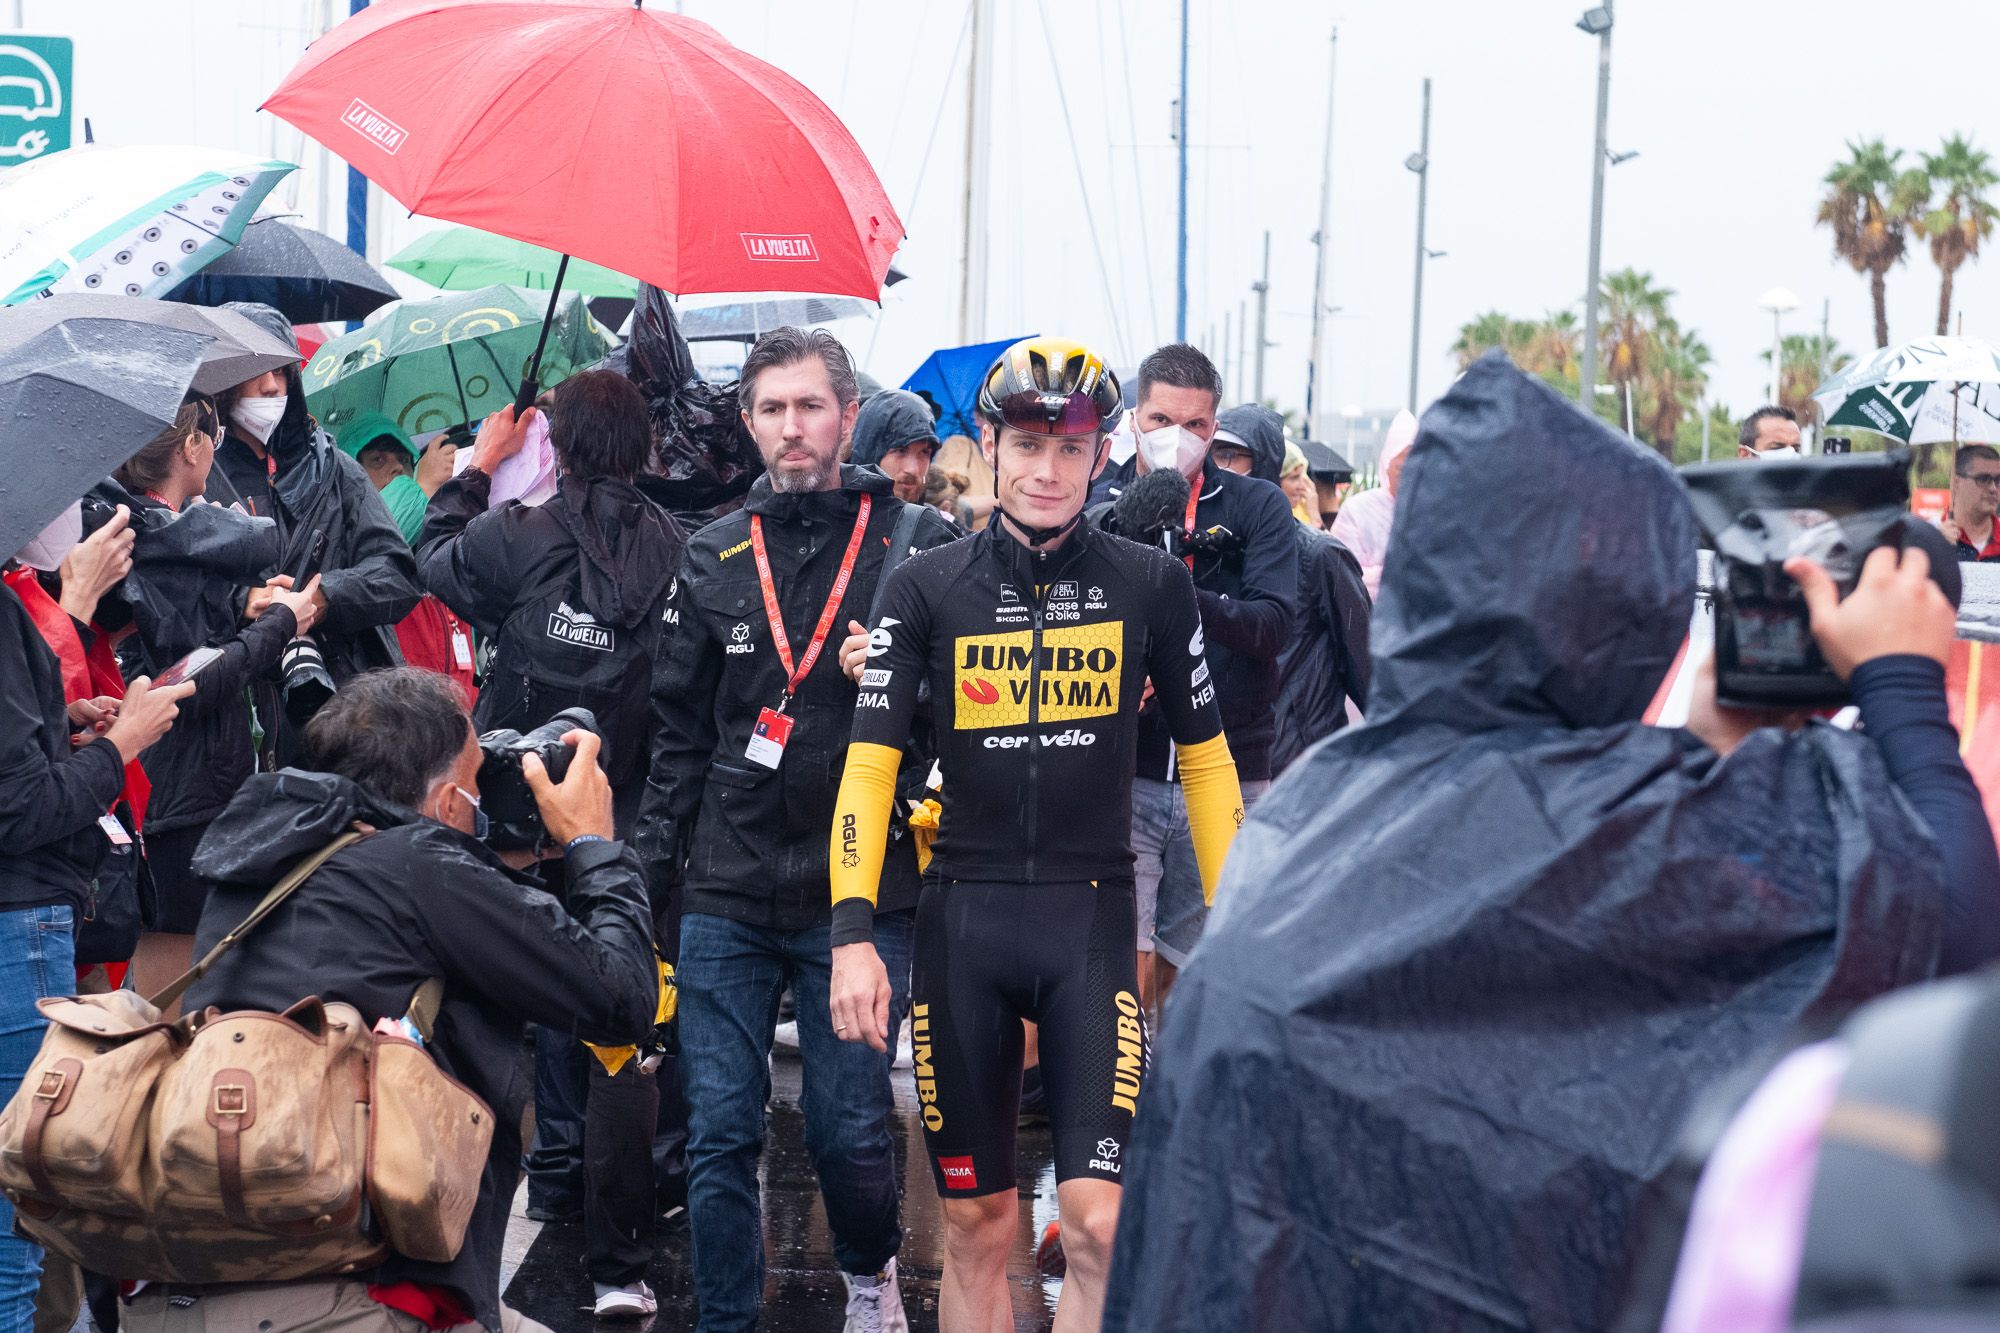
(530, 383)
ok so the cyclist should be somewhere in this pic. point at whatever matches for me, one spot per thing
(1037, 638)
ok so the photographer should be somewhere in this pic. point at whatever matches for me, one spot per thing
(574, 595)
(54, 795)
(418, 897)
(1245, 564)
(1555, 925)
(279, 464)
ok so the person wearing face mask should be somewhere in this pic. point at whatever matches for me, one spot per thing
(186, 591)
(1769, 432)
(1246, 578)
(419, 896)
(55, 825)
(279, 464)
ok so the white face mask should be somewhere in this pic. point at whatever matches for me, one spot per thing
(1174, 447)
(53, 544)
(1782, 451)
(259, 416)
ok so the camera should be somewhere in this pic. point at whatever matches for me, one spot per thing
(514, 820)
(1832, 510)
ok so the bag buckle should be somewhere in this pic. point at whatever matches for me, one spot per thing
(53, 1081)
(231, 1099)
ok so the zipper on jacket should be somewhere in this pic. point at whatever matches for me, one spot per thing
(1038, 590)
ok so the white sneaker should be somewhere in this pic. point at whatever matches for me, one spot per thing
(875, 1304)
(785, 1039)
(905, 1058)
(630, 1302)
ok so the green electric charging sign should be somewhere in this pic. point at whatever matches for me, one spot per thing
(35, 82)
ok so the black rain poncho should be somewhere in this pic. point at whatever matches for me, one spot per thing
(1470, 963)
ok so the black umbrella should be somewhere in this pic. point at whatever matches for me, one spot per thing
(308, 277)
(77, 400)
(240, 348)
(1324, 464)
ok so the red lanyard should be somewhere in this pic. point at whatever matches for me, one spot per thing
(1187, 524)
(771, 613)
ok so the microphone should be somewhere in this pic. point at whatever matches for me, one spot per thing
(1151, 507)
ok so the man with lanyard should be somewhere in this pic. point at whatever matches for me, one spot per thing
(750, 726)
(1246, 579)
(1036, 639)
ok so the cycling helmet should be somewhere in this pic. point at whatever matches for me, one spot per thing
(1051, 386)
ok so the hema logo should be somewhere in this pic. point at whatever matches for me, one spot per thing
(372, 125)
(795, 248)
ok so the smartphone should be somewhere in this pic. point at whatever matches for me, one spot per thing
(187, 668)
(1836, 444)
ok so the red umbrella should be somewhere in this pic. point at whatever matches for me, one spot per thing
(637, 139)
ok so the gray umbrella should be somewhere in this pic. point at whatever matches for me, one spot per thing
(305, 275)
(77, 400)
(1325, 464)
(746, 321)
(240, 350)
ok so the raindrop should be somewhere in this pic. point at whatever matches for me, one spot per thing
(217, 208)
(122, 257)
(188, 246)
(134, 289)
(150, 234)
(231, 195)
(94, 280)
(160, 269)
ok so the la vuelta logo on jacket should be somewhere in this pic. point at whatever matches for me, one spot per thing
(994, 675)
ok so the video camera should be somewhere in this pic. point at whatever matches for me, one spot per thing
(514, 820)
(1151, 511)
(1833, 510)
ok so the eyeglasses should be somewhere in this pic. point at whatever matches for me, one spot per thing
(1981, 478)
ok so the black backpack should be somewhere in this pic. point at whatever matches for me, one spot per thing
(552, 654)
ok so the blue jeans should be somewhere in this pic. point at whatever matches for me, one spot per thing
(37, 960)
(730, 976)
(1166, 880)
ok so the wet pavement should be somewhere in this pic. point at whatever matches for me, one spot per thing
(802, 1290)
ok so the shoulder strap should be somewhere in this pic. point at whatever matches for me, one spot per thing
(424, 1006)
(900, 539)
(278, 894)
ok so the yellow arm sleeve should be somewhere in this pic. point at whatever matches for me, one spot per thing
(1214, 805)
(861, 820)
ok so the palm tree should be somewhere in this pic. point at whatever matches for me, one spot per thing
(1680, 376)
(1963, 216)
(1487, 332)
(1633, 310)
(1554, 346)
(1869, 207)
(1803, 362)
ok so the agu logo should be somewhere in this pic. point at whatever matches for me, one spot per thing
(373, 126)
(1000, 678)
(786, 248)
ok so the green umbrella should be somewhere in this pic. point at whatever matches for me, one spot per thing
(461, 258)
(431, 364)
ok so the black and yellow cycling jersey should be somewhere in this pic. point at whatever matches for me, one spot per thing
(1036, 664)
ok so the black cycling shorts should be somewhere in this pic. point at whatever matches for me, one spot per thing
(1059, 955)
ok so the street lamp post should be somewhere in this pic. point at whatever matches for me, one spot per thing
(1778, 300)
(1420, 162)
(1597, 22)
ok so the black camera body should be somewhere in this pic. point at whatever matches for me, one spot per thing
(1833, 510)
(514, 820)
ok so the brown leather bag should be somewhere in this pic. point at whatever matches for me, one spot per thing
(243, 1146)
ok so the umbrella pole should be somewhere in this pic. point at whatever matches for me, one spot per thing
(525, 399)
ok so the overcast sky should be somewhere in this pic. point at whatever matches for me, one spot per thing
(1736, 110)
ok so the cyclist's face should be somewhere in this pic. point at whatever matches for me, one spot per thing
(799, 425)
(1043, 480)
